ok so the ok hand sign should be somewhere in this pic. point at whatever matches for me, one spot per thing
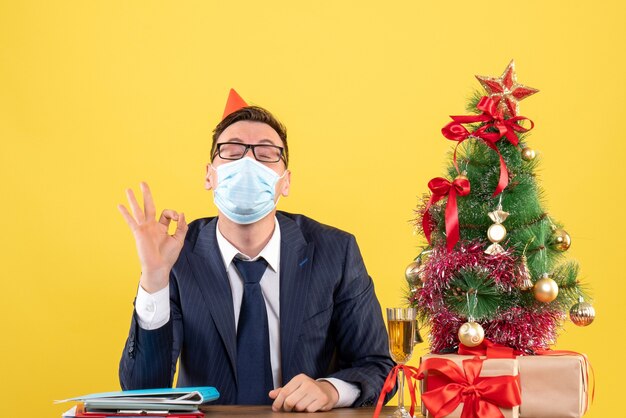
(157, 250)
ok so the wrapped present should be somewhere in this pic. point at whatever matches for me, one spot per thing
(469, 386)
(553, 385)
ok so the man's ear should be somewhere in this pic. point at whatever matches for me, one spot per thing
(286, 182)
(210, 178)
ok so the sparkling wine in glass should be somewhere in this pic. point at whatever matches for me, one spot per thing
(401, 326)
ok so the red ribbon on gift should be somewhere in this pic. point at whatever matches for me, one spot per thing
(489, 349)
(492, 118)
(392, 378)
(481, 396)
(441, 188)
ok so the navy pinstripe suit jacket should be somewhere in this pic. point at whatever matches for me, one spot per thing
(330, 319)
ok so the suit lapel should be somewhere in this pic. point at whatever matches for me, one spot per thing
(210, 274)
(296, 259)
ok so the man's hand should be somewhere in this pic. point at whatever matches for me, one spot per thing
(158, 251)
(304, 394)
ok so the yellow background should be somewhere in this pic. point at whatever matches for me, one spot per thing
(96, 96)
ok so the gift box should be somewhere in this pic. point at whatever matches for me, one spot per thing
(497, 384)
(553, 386)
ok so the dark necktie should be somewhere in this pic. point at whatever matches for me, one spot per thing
(254, 371)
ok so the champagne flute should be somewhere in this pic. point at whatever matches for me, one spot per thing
(401, 324)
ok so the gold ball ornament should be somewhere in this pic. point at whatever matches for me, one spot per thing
(546, 289)
(561, 240)
(413, 272)
(471, 334)
(582, 313)
(528, 154)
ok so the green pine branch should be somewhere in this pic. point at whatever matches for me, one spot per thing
(474, 293)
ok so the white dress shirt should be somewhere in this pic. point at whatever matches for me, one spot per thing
(153, 310)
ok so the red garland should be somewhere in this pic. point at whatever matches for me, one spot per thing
(492, 118)
(410, 373)
(481, 396)
(517, 327)
(441, 188)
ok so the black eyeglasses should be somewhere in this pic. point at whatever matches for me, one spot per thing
(263, 153)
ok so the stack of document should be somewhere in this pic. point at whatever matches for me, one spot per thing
(168, 402)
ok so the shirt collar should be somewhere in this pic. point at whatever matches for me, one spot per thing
(271, 251)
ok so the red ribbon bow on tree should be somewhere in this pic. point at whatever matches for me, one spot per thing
(441, 188)
(492, 118)
(481, 396)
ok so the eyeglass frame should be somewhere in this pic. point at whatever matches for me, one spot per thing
(247, 148)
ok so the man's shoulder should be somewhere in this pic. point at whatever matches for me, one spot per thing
(196, 226)
(313, 230)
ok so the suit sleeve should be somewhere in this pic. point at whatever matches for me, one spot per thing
(361, 337)
(149, 357)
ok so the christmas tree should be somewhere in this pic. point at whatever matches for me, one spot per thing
(494, 266)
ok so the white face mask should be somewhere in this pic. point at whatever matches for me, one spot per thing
(246, 190)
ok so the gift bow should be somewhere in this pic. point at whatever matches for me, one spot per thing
(441, 188)
(489, 349)
(492, 118)
(481, 396)
(410, 373)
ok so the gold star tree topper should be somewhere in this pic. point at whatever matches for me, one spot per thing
(506, 91)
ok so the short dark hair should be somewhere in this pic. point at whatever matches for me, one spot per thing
(254, 114)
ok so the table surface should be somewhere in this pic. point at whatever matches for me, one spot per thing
(236, 411)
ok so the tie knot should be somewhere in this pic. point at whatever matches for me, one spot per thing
(251, 271)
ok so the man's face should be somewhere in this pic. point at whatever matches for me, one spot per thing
(251, 133)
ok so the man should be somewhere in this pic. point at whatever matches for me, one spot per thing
(266, 306)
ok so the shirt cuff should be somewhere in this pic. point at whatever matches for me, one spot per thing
(348, 392)
(153, 310)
